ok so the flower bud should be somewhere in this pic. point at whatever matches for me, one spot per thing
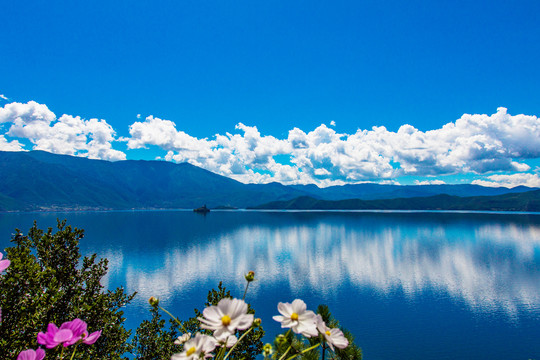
(257, 322)
(250, 276)
(281, 339)
(153, 301)
(267, 350)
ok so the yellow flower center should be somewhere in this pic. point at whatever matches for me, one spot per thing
(328, 332)
(294, 316)
(226, 320)
(190, 351)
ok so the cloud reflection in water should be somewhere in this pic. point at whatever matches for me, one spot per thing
(490, 266)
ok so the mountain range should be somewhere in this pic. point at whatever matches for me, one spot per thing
(37, 180)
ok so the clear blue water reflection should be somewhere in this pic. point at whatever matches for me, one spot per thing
(408, 285)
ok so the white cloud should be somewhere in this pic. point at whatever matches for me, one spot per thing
(13, 145)
(138, 116)
(510, 181)
(473, 144)
(69, 135)
(479, 144)
(429, 182)
(3, 97)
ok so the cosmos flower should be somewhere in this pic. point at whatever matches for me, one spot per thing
(196, 348)
(31, 354)
(68, 334)
(228, 316)
(296, 317)
(4, 264)
(333, 337)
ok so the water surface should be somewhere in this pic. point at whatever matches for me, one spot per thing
(418, 285)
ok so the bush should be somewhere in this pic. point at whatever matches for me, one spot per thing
(47, 283)
(154, 341)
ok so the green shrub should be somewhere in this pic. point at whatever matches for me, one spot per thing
(47, 283)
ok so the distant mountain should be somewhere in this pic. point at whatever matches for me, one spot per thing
(370, 191)
(526, 201)
(38, 180)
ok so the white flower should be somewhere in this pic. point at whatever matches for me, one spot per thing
(198, 347)
(296, 317)
(182, 339)
(228, 316)
(332, 336)
(226, 339)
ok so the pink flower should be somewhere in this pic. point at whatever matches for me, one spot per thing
(31, 354)
(68, 334)
(3, 263)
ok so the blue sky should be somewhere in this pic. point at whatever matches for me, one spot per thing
(161, 77)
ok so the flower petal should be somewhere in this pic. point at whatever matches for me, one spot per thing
(40, 354)
(63, 335)
(285, 309)
(298, 306)
(90, 339)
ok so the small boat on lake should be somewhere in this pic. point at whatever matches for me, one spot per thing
(203, 209)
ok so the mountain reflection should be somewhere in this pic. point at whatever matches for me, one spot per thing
(487, 266)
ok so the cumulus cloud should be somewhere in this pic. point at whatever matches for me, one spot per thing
(477, 144)
(68, 134)
(429, 182)
(13, 145)
(511, 180)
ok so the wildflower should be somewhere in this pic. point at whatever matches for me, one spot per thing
(267, 350)
(228, 316)
(333, 337)
(68, 334)
(197, 348)
(31, 354)
(4, 264)
(250, 276)
(296, 317)
(54, 336)
(226, 339)
(182, 339)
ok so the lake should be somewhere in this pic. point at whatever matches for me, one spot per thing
(409, 285)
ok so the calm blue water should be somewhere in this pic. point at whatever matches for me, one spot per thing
(408, 285)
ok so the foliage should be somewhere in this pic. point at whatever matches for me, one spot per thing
(152, 341)
(47, 283)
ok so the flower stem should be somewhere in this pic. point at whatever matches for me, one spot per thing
(74, 350)
(323, 351)
(245, 291)
(220, 353)
(285, 353)
(241, 337)
(175, 319)
(304, 351)
(62, 352)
